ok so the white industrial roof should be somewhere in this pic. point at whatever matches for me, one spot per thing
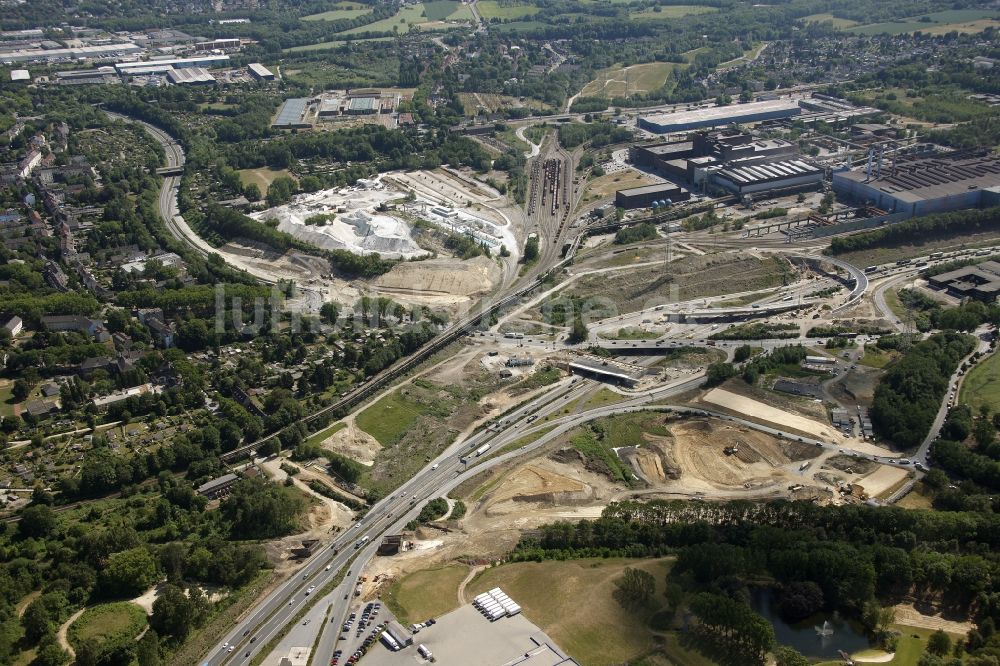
(190, 75)
(721, 113)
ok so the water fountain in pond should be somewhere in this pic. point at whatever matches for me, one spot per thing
(825, 631)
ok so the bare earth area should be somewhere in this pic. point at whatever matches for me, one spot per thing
(781, 418)
(908, 615)
(354, 443)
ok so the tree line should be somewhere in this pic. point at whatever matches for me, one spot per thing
(919, 230)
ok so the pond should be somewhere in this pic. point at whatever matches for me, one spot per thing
(820, 636)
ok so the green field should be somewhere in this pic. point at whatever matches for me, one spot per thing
(447, 10)
(107, 621)
(262, 177)
(521, 26)
(490, 9)
(425, 594)
(319, 46)
(830, 18)
(982, 385)
(670, 12)
(6, 398)
(933, 22)
(341, 10)
(623, 81)
(418, 15)
(403, 19)
(876, 358)
(389, 418)
(597, 632)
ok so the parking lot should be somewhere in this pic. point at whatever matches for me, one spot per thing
(465, 636)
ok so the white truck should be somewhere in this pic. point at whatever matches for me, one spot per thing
(482, 449)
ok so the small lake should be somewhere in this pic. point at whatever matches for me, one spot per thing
(803, 636)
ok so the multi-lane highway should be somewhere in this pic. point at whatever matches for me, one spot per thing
(279, 607)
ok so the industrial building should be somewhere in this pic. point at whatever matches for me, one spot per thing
(981, 281)
(920, 186)
(644, 197)
(218, 44)
(100, 75)
(19, 75)
(665, 123)
(101, 51)
(259, 72)
(730, 160)
(190, 76)
(218, 486)
(142, 68)
(691, 161)
(746, 180)
(363, 105)
(292, 114)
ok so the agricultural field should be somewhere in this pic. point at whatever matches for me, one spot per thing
(963, 20)
(341, 10)
(490, 9)
(262, 177)
(841, 23)
(599, 631)
(662, 12)
(447, 10)
(420, 15)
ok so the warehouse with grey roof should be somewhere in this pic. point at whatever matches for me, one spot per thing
(751, 112)
(920, 186)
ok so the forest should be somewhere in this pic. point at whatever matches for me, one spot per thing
(909, 395)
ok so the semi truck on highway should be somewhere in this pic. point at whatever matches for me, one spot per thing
(482, 449)
(362, 541)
